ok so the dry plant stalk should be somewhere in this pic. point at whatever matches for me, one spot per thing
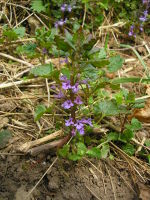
(44, 148)
(28, 145)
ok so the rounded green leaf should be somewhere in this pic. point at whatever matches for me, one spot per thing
(44, 71)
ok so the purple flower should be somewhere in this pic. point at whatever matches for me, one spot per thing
(79, 125)
(60, 95)
(53, 87)
(81, 131)
(66, 85)
(44, 51)
(132, 27)
(75, 88)
(61, 22)
(64, 61)
(84, 81)
(69, 122)
(142, 18)
(63, 7)
(69, 8)
(56, 24)
(141, 28)
(86, 121)
(130, 33)
(145, 1)
(63, 78)
(67, 104)
(78, 101)
(145, 13)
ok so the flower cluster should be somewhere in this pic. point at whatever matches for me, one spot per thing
(76, 125)
(44, 51)
(66, 84)
(64, 7)
(145, 1)
(142, 18)
(131, 32)
(60, 23)
(79, 125)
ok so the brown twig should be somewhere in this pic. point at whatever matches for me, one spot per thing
(44, 148)
(28, 145)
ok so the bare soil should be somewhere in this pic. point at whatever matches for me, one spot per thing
(65, 181)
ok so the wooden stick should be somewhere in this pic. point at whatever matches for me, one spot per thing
(25, 147)
(7, 85)
(16, 59)
(44, 148)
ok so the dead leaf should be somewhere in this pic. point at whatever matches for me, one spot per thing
(142, 114)
(144, 191)
(110, 75)
(148, 89)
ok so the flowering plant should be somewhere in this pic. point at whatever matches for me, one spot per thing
(80, 88)
(142, 19)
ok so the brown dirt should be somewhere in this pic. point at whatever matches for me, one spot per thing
(66, 180)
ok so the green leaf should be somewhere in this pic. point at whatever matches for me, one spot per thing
(81, 149)
(99, 55)
(140, 105)
(90, 72)
(107, 108)
(130, 98)
(147, 143)
(130, 80)
(98, 59)
(127, 135)
(20, 31)
(10, 34)
(68, 36)
(74, 157)
(5, 136)
(2, 40)
(39, 111)
(90, 100)
(111, 157)
(112, 136)
(55, 74)
(94, 152)
(44, 71)
(105, 150)
(135, 124)
(28, 49)
(119, 98)
(99, 63)
(65, 71)
(88, 45)
(148, 158)
(64, 151)
(37, 5)
(115, 64)
(62, 44)
(129, 149)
